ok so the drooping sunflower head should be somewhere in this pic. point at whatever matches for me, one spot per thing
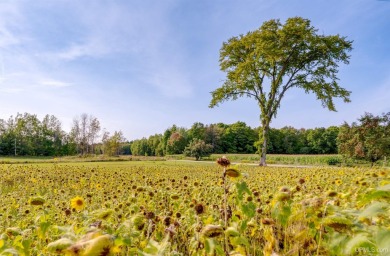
(223, 161)
(212, 231)
(77, 203)
(337, 222)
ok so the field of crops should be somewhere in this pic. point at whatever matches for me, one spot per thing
(290, 159)
(166, 208)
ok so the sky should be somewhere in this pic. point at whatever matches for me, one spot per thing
(141, 66)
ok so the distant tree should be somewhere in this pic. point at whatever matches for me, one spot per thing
(105, 137)
(51, 136)
(154, 142)
(163, 146)
(125, 148)
(330, 137)
(85, 130)
(238, 138)
(160, 150)
(25, 134)
(282, 57)
(166, 135)
(93, 132)
(213, 135)
(69, 146)
(8, 141)
(141, 147)
(369, 140)
(77, 135)
(275, 143)
(292, 140)
(197, 131)
(323, 141)
(113, 144)
(198, 148)
(177, 142)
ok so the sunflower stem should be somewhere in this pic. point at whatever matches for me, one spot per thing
(321, 227)
(225, 210)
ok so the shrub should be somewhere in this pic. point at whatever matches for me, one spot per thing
(334, 161)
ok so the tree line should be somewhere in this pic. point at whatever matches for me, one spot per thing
(236, 138)
(367, 139)
(27, 135)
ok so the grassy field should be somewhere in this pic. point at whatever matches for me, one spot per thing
(298, 160)
(187, 208)
(283, 159)
(73, 159)
(312, 160)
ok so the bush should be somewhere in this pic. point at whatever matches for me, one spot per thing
(334, 161)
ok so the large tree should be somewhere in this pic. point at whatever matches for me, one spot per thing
(265, 63)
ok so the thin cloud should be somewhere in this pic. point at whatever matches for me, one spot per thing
(10, 90)
(54, 83)
(122, 30)
(11, 19)
(132, 34)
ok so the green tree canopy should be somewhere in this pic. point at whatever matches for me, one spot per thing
(238, 138)
(369, 140)
(198, 148)
(265, 63)
(112, 144)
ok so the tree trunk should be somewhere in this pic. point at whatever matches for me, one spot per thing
(264, 145)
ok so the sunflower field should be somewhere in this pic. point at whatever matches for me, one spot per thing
(199, 209)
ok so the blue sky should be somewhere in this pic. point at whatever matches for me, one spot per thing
(141, 66)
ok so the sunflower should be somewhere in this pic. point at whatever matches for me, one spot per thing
(77, 203)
